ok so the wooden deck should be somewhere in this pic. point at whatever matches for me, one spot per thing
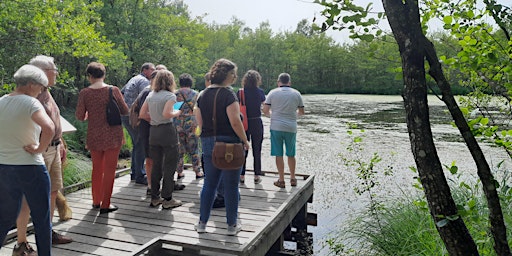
(136, 229)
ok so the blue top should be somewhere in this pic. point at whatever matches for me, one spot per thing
(133, 88)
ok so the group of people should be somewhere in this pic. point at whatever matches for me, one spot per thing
(162, 134)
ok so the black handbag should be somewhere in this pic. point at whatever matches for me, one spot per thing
(113, 112)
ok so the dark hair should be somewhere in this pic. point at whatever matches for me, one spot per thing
(220, 69)
(96, 70)
(164, 80)
(251, 79)
(284, 78)
(186, 80)
(146, 65)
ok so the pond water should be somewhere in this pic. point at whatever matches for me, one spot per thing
(322, 140)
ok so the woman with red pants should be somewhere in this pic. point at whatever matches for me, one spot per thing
(103, 141)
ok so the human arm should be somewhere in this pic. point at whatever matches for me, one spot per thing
(199, 118)
(233, 111)
(169, 111)
(81, 111)
(266, 110)
(300, 111)
(47, 132)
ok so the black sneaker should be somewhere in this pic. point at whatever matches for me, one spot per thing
(179, 186)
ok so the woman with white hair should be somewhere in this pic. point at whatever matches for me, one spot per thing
(25, 132)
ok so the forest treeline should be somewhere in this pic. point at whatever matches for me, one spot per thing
(124, 34)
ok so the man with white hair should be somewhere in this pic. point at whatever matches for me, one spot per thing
(25, 133)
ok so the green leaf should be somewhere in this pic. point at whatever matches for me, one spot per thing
(448, 20)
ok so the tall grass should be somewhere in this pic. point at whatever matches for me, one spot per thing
(405, 227)
(77, 169)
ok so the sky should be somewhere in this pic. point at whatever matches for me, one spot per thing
(283, 15)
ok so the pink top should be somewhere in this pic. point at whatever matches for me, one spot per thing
(93, 102)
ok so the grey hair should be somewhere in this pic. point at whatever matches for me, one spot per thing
(42, 62)
(284, 78)
(30, 73)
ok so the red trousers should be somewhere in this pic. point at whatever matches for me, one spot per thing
(104, 165)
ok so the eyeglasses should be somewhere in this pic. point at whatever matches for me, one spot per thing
(56, 70)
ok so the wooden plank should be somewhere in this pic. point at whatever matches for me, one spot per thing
(265, 211)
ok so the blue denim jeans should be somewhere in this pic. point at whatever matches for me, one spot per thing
(138, 154)
(213, 177)
(33, 182)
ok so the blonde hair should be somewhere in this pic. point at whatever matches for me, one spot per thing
(164, 80)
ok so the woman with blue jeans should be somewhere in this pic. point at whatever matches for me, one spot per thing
(25, 133)
(228, 128)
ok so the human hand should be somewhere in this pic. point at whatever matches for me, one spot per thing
(33, 149)
(247, 146)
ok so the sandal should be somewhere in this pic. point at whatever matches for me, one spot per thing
(279, 183)
(199, 175)
(257, 180)
(293, 182)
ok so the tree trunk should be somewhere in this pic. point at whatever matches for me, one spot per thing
(405, 24)
(498, 229)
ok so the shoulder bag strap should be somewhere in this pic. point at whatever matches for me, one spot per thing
(242, 97)
(110, 93)
(214, 117)
(185, 100)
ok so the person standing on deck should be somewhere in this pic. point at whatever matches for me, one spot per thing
(131, 91)
(228, 127)
(25, 133)
(283, 105)
(186, 127)
(103, 140)
(52, 156)
(158, 109)
(253, 98)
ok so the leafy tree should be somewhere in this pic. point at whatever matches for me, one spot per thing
(415, 49)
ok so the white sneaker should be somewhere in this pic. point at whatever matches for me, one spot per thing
(200, 227)
(168, 204)
(234, 229)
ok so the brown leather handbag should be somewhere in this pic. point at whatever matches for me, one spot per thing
(226, 156)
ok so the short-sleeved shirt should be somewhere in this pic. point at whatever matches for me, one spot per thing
(205, 103)
(51, 108)
(284, 102)
(17, 129)
(133, 88)
(187, 119)
(253, 99)
(156, 103)
(100, 135)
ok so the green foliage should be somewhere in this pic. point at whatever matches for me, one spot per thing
(404, 225)
(77, 169)
(367, 171)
